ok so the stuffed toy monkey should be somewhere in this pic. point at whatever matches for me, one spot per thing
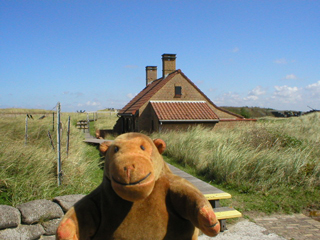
(139, 198)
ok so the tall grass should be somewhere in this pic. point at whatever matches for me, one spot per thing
(253, 158)
(106, 120)
(28, 171)
(23, 111)
(268, 158)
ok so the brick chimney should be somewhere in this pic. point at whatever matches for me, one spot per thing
(168, 64)
(151, 74)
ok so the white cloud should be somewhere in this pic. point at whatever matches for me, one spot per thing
(314, 85)
(287, 94)
(229, 99)
(255, 93)
(314, 89)
(285, 90)
(89, 103)
(251, 97)
(282, 97)
(255, 97)
(291, 77)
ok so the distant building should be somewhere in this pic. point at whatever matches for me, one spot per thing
(170, 102)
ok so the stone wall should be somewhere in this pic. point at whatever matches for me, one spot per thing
(37, 219)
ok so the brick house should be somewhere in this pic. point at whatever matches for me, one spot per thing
(170, 102)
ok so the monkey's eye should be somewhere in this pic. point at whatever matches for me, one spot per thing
(142, 147)
(116, 149)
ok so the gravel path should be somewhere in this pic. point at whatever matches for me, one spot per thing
(274, 227)
(244, 230)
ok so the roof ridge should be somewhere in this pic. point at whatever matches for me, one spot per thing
(179, 101)
(134, 102)
(152, 85)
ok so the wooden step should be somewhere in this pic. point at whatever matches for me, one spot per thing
(226, 213)
(217, 196)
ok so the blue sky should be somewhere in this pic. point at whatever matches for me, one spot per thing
(91, 55)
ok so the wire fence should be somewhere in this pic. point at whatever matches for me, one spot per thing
(58, 133)
(57, 128)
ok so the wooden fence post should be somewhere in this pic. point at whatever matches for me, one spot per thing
(58, 145)
(26, 131)
(50, 138)
(53, 122)
(68, 136)
(88, 122)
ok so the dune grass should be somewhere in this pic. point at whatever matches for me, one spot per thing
(276, 163)
(28, 171)
(23, 111)
(271, 166)
(106, 120)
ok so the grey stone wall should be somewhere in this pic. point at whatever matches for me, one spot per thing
(37, 219)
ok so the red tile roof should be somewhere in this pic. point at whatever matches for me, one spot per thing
(183, 110)
(144, 96)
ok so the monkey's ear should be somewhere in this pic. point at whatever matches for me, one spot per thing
(104, 146)
(160, 144)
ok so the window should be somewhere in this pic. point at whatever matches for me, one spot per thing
(177, 91)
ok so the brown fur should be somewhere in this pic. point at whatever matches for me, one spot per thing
(139, 198)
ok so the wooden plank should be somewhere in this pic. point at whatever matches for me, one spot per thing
(216, 196)
(209, 191)
(229, 214)
(226, 212)
(94, 140)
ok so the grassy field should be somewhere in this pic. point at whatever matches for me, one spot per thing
(23, 111)
(271, 166)
(28, 171)
(106, 120)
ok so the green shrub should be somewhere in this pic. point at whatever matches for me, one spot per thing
(244, 112)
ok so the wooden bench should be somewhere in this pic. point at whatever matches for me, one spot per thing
(82, 124)
(213, 194)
